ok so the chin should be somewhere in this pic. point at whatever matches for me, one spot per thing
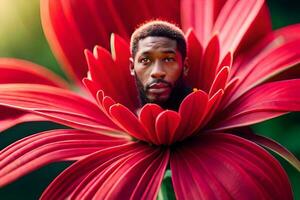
(159, 100)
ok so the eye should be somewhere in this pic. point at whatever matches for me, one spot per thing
(145, 61)
(169, 59)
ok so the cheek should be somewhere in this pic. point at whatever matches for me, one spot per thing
(142, 74)
(174, 73)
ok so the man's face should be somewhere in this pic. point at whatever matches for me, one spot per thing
(157, 66)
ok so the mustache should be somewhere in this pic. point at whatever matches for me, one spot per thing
(156, 81)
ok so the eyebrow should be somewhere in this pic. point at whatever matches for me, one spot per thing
(166, 51)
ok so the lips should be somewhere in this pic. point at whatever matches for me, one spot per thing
(159, 88)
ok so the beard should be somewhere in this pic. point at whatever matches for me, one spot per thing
(178, 92)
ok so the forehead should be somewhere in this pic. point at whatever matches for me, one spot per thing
(155, 43)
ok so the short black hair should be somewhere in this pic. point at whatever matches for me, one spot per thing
(158, 28)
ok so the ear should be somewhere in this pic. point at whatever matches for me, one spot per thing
(186, 67)
(131, 66)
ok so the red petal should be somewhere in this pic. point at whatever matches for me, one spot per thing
(56, 14)
(93, 181)
(20, 71)
(56, 104)
(90, 23)
(69, 179)
(127, 171)
(166, 125)
(220, 81)
(105, 69)
(192, 111)
(107, 102)
(212, 106)
(129, 122)
(261, 103)
(266, 66)
(275, 147)
(90, 86)
(101, 71)
(200, 15)
(148, 116)
(223, 166)
(141, 180)
(227, 61)
(209, 64)
(268, 44)
(104, 102)
(260, 27)
(41, 149)
(194, 55)
(99, 97)
(11, 117)
(229, 89)
(121, 58)
(234, 21)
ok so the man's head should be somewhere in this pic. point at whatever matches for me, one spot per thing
(158, 61)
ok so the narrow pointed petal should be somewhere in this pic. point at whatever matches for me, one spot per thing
(194, 55)
(209, 64)
(266, 66)
(212, 106)
(223, 166)
(107, 102)
(59, 105)
(229, 90)
(20, 71)
(192, 112)
(87, 22)
(166, 125)
(69, 179)
(261, 103)
(234, 20)
(55, 14)
(275, 147)
(41, 149)
(227, 61)
(220, 81)
(10, 117)
(153, 177)
(139, 181)
(94, 182)
(104, 102)
(260, 27)
(200, 15)
(129, 122)
(121, 54)
(269, 43)
(113, 67)
(90, 86)
(128, 171)
(102, 62)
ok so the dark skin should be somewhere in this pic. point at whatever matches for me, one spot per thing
(159, 68)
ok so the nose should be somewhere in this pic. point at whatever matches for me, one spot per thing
(157, 71)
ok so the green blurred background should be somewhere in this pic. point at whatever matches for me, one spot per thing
(21, 36)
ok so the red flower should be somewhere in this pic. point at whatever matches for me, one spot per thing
(18, 71)
(242, 72)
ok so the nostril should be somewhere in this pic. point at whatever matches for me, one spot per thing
(158, 74)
